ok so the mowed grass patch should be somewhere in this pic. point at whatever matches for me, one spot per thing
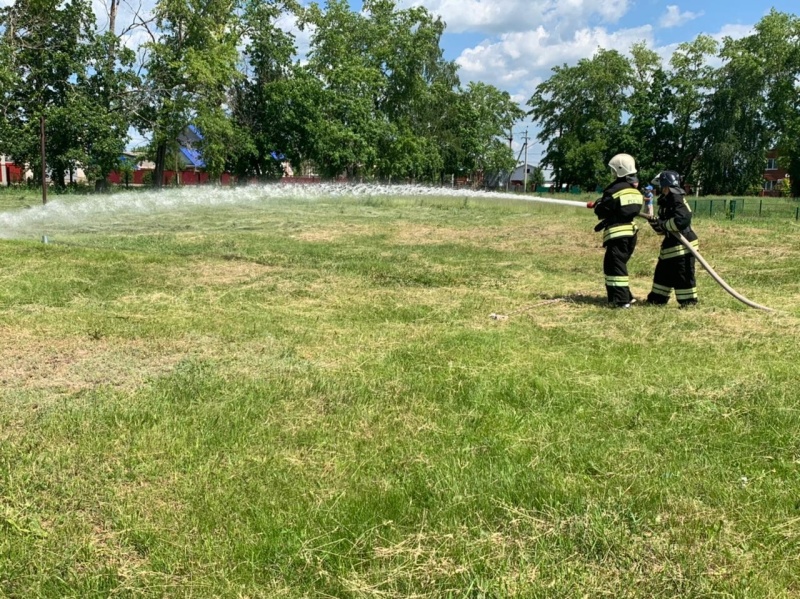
(296, 399)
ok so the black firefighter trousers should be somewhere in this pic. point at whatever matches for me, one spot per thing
(678, 274)
(615, 268)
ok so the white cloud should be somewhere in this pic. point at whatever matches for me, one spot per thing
(675, 18)
(734, 31)
(497, 16)
(518, 62)
(302, 39)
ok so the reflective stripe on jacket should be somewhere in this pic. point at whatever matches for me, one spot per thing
(674, 211)
(674, 251)
(617, 231)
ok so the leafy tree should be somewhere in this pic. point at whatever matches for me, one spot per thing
(486, 114)
(190, 68)
(376, 97)
(579, 110)
(343, 58)
(776, 43)
(649, 131)
(692, 80)
(389, 99)
(735, 132)
(755, 106)
(106, 108)
(535, 178)
(53, 72)
(275, 102)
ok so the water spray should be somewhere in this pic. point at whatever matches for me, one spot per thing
(93, 210)
(59, 213)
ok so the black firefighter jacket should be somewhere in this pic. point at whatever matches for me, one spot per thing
(620, 204)
(674, 215)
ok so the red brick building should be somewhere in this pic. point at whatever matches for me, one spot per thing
(10, 173)
(774, 175)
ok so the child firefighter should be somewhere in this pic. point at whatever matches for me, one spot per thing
(675, 268)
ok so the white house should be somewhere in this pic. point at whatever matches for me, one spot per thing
(518, 175)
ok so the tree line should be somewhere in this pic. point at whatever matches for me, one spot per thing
(374, 97)
(712, 112)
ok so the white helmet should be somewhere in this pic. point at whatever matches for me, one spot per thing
(622, 165)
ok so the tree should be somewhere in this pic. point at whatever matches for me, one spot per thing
(190, 68)
(106, 109)
(735, 133)
(649, 131)
(387, 93)
(486, 114)
(579, 110)
(274, 104)
(55, 63)
(535, 178)
(692, 80)
(343, 58)
(776, 42)
(755, 106)
(375, 99)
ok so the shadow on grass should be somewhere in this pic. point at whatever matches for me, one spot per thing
(544, 300)
(578, 298)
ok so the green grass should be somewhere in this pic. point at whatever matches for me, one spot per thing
(308, 399)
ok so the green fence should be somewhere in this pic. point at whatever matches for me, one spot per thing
(749, 207)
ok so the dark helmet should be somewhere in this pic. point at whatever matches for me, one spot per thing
(669, 179)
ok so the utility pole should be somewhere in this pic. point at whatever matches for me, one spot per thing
(525, 185)
(44, 164)
(511, 147)
(42, 140)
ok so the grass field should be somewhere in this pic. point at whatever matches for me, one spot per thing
(307, 398)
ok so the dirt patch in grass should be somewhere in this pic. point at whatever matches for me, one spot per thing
(328, 233)
(108, 549)
(416, 234)
(750, 252)
(495, 236)
(68, 365)
(228, 272)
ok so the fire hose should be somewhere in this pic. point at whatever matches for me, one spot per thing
(712, 272)
(707, 266)
(679, 237)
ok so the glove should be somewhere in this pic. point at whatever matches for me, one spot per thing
(658, 226)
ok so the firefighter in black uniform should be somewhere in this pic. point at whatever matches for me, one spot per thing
(620, 203)
(675, 268)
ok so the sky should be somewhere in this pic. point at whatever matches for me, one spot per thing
(514, 44)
